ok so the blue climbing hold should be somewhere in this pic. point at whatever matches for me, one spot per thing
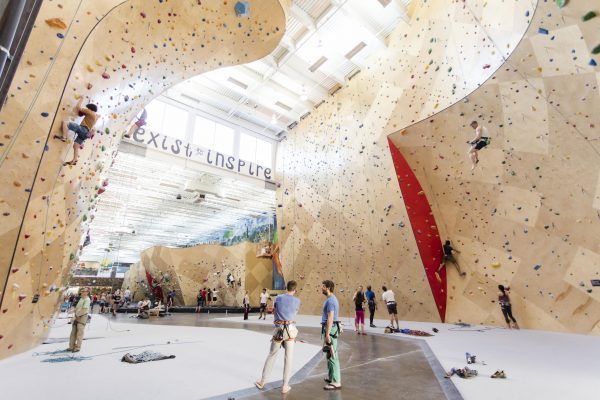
(593, 63)
(543, 31)
(60, 35)
(537, 266)
(45, 114)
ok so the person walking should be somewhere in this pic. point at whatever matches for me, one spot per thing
(390, 301)
(264, 296)
(506, 307)
(80, 319)
(359, 308)
(246, 304)
(198, 301)
(370, 295)
(330, 331)
(285, 310)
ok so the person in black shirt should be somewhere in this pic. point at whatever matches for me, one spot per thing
(506, 307)
(359, 302)
(449, 256)
(116, 301)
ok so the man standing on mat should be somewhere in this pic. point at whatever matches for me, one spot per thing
(286, 308)
(390, 301)
(79, 320)
(370, 295)
(330, 332)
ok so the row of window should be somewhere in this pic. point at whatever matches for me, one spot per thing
(179, 123)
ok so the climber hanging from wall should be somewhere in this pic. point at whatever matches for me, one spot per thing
(480, 140)
(83, 130)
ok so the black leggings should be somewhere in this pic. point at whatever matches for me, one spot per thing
(371, 313)
(507, 311)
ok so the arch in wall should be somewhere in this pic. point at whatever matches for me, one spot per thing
(119, 55)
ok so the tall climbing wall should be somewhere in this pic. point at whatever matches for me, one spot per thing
(529, 215)
(119, 55)
(341, 213)
(189, 269)
(135, 280)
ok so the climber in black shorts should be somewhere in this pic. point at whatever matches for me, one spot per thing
(480, 140)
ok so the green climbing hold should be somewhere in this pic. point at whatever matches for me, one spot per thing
(103, 148)
(449, 69)
(596, 50)
(429, 51)
(84, 218)
(561, 3)
(106, 130)
(589, 16)
(71, 256)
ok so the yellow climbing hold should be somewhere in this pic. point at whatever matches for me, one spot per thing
(496, 265)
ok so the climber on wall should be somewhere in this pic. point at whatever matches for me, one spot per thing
(449, 256)
(480, 140)
(83, 131)
(141, 121)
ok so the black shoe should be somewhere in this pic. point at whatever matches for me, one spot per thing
(373, 326)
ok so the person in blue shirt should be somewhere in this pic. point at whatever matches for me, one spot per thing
(331, 332)
(285, 310)
(370, 295)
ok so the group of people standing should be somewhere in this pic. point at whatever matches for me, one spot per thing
(205, 298)
(367, 298)
(285, 310)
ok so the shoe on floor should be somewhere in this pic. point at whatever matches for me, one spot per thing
(327, 380)
(332, 387)
(259, 384)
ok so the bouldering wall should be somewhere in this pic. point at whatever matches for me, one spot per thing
(135, 280)
(186, 270)
(529, 215)
(119, 55)
(341, 213)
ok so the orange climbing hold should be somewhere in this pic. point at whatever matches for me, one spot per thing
(56, 23)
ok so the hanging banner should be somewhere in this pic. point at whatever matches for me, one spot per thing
(182, 148)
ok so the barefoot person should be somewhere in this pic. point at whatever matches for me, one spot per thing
(506, 307)
(285, 310)
(480, 140)
(83, 131)
(449, 256)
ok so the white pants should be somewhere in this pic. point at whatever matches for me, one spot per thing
(288, 346)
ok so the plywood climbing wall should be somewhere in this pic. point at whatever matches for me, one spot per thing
(528, 216)
(341, 214)
(190, 269)
(119, 55)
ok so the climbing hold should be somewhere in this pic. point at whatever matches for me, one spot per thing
(543, 31)
(561, 3)
(105, 75)
(537, 266)
(496, 265)
(589, 15)
(56, 23)
(45, 114)
(60, 35)
(596, 50)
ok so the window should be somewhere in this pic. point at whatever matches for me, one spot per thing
(204, 132)
(247, 147)
(264, 153)
(224, 137)
(175, 122)
(167, 119)
(156, 114)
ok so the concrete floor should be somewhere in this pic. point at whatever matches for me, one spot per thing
(372, 365)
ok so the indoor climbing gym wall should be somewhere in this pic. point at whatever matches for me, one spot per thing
(118, 55)
(528, 215)
(187, 270)
(341, 212)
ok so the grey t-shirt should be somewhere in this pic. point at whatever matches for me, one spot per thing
(286, 307)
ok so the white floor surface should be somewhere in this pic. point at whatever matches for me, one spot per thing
(538, 364)
(209, 362)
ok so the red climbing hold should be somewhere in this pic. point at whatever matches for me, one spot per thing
(133, 49)
(105, 75)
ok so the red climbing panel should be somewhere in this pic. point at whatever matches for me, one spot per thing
(424, 227)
